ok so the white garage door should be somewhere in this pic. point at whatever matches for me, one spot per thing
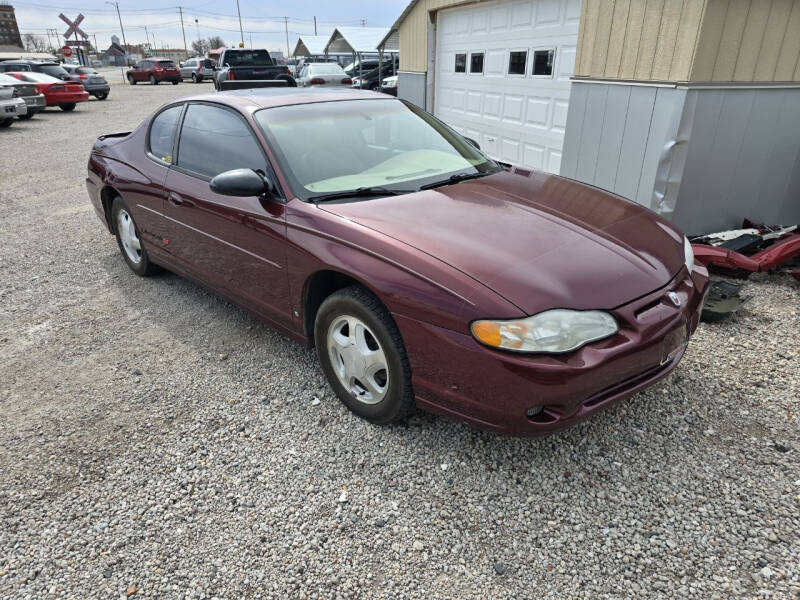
(502, 76)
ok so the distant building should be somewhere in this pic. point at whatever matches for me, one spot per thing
(9, 32)
(176, 54)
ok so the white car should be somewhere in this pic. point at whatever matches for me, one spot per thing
(11, 105)
(389, 85)
(328, 74)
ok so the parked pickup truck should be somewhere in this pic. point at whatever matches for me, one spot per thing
(237, 64)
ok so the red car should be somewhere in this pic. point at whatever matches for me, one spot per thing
(421, 270)
(154, 70)
(64, 94)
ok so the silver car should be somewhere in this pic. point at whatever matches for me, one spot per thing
(197, 69)
(330, 74)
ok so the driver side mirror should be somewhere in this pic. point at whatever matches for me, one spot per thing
(242, 182)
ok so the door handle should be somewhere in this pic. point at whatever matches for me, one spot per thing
(177, 200)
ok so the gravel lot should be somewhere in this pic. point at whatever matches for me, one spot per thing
(157, 442)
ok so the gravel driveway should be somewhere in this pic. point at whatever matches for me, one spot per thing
(157, 442)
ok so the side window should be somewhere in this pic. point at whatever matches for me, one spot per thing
(162, 133)
(476, 62)
(214, 140)
(461, 63)
(543, 62)
(516, 62)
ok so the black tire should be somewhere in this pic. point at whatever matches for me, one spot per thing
(131, 80)
(102, 96)
(144, 267)
(176, 82)
(194, 78)
(153, 80)
(398, 401)
(290, 81)
(27, 116)
(67, 106)
(6, 123)
(373, 86)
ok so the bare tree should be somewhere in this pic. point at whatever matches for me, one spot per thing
(215, 42)
(34, 43)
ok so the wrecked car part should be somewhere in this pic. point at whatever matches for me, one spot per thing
(722, 300)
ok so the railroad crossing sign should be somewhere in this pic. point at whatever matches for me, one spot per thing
(73, 26)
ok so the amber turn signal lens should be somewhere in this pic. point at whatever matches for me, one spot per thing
(487, 332)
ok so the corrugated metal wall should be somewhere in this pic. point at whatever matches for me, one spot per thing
(690, 40)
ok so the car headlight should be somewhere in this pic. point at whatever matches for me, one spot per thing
(688, 253)
(553, 331)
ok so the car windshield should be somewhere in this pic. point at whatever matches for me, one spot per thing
(247, 58)
(332, 147)
(35, 77)
(86, 71)
(325, 69)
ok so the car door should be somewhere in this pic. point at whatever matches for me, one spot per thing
(146, 193)
(235, 243)
(143, 72)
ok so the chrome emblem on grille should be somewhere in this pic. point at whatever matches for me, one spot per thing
(674, 298)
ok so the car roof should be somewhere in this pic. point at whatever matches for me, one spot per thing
(256, 98)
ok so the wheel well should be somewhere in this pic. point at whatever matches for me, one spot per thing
(107, 196)
(318, 287)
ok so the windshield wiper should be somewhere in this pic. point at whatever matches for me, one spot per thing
(455, 179)
(362, 192)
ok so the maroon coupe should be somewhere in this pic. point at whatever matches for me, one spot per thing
(423, 272)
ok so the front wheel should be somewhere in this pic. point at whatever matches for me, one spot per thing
(128, 239)
(6, 123)
(363, 356)
(27, 116)
(67, 106)
(176, 82)
(153, 80)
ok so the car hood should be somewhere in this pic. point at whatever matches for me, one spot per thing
(538, 240)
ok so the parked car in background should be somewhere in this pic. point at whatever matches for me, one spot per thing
(64, 94)
(34, 101)
(154, 71)
(197, 69)
(11, 106)
(48, 67)
(390, 85)
(310, 60)
(369, 80)
(330, 74)
(94, 83)
(352, 69)
(422, 271)
(250, 64)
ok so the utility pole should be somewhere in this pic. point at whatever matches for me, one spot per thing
(146, 36)
(96, 48)
(122, 29)
(363, 22)
(185, 47)
(286, 27)
(315, 26)
(241, 31)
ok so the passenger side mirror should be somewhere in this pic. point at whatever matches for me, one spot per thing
(473, 142)
(242, 182)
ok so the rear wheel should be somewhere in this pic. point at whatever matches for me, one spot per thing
(102, 96)
(128, 239)
(153, 80)
(363, 356)
(67, 106)
(176, 82)
(131, 80)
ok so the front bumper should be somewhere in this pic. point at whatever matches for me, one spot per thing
(456, 376)
(15, 107)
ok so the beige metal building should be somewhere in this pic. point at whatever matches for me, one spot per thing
(689, 107)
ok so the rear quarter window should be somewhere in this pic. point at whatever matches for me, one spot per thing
(162, 133)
